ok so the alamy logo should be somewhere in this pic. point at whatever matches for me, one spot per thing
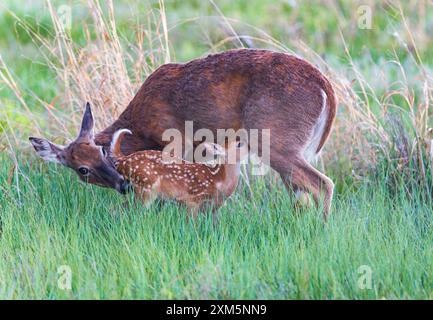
(65, 16)
(190, 146)
(364, 17)
(64, 277)
(365, 280)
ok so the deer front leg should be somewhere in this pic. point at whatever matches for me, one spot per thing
(144, 195)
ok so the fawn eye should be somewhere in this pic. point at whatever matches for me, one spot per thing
(83, 170)
(104, 153)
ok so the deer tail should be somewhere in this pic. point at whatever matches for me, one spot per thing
(331, 109)
(116, 141)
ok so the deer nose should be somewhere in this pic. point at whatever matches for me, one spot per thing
(125, 187)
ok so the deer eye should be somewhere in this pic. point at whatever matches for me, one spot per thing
(83, 170)
(104, 153)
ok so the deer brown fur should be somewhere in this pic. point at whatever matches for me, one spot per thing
(196, 185)
(240, 89)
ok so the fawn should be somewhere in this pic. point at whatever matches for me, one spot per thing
(195, 185)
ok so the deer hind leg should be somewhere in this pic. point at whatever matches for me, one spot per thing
(298, 175)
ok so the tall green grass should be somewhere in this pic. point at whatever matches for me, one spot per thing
(259, 248)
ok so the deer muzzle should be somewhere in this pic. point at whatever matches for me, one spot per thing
(124, 187)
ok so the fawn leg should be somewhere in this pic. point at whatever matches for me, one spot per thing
(193, 209)
(144, 196)
(196, 207)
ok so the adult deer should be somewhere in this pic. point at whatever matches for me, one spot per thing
(237, 89)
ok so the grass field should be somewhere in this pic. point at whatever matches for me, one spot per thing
(260, 248)
(378, 242)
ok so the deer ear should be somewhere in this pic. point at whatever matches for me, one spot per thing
(214, 149)
(86, 131)
(46, 150)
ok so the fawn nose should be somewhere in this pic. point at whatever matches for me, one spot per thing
(125, 187)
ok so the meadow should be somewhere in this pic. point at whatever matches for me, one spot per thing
(377, 244)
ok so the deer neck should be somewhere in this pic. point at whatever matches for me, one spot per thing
(226, 177)
(132, 143)
(103, 138)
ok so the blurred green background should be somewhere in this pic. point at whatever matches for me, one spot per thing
(195, 26)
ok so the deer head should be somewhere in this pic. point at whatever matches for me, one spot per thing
(233, 153)
(88, 160)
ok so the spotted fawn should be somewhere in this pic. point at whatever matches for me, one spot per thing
(196, 185)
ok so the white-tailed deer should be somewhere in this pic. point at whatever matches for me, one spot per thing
(196, 185)
(85, 157)
(238, 89)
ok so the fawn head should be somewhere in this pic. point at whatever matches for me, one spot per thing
(232, 153)
(88, 160)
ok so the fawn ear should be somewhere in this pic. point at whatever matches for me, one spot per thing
(86, 131)
(214, 149)
(46, 150)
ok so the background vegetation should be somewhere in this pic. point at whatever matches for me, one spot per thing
(379, 155)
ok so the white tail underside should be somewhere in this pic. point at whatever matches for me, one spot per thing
(309, 152)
